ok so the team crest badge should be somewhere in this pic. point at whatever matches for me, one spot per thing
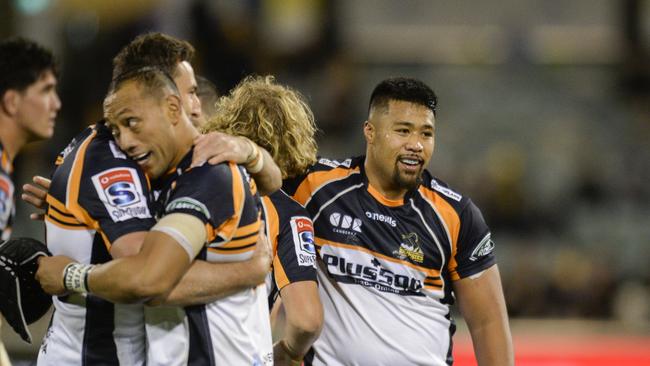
(409, 248)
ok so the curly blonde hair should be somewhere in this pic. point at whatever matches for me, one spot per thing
(273, 116)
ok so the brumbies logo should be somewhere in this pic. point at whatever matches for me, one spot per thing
(120, 191)
(409, 248)
(303, 238)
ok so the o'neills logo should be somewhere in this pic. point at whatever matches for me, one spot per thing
(382, 218)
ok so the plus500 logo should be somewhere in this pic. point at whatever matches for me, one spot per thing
(372, 275)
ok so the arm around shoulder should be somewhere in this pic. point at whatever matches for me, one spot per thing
(206, 282)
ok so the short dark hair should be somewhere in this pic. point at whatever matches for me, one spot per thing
(152, 49)
(23, 62)
(404, 89)
(152, 79)
(208, 95)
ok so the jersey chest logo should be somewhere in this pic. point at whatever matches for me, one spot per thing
(409, 248)
(120, 191)
(345, 224)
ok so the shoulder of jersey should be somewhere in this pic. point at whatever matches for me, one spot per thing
(5, 166)
(432, 183)
(329, 164)
(285, 205)
(210, 175)
(104, 147)
(102, 143)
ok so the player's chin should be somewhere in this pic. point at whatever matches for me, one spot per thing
(45, 133)
(408, 180)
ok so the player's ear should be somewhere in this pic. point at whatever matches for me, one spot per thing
(369, 132)
(10, 102)
(173, 108)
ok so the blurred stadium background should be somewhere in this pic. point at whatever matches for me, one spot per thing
(544, 121)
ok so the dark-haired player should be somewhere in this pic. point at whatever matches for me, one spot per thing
(28, 107)
(397, 247)
(206, 212)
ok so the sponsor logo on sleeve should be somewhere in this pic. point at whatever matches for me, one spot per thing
(446, 191)
(485, 247)
(6, 200)
(335, 163)
(303, 239)
(187, 203)
(328, 162)
(120, 190)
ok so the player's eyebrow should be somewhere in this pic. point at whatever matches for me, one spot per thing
(122, 112)
(426, 126)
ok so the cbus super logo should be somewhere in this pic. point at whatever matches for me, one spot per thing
(120, 190)
(303, 239)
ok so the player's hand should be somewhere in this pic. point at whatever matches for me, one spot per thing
(259, 265)
(50, 273)
(218, 147)
(263, 254)
(35, 194)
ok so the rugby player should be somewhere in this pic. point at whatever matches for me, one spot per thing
(397, 246)
(208, 212)
(29, 104)
(278, 119)
(173, 56)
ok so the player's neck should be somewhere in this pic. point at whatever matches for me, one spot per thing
(13, 137)
(185, 135)
(382, 185)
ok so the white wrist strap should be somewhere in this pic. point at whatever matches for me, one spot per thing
(75, 277)
(256, 163)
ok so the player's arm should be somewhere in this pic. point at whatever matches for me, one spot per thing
(481, 303)
(303, 322)
(128, 244)
(478, 289)
(166, 254)
(217, 147)
(206, 282)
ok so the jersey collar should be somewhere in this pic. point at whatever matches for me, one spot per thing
(377, 195)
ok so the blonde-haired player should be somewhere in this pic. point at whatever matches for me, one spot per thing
(277, 118)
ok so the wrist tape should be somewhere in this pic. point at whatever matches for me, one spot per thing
(75, 277)
(256, 162)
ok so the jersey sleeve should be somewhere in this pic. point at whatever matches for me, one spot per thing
(220, 196)
(475, 248)
(115, 194)
(302, 187)
(7, 209)
(296, 253)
